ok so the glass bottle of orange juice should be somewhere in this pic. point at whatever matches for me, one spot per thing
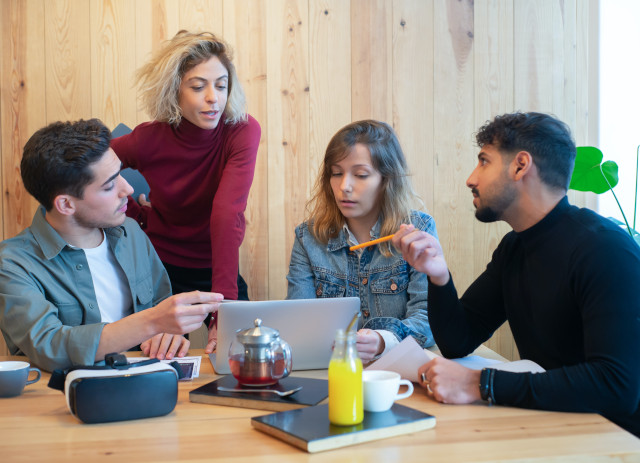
(345, 381)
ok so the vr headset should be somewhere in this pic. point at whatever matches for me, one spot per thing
(119, 390)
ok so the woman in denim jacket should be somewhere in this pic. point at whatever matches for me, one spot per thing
(363, 192)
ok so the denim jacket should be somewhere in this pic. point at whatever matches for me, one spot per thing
(393, 295)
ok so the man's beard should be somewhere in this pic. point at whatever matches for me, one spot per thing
(500, 198)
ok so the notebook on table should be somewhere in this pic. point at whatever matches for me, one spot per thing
(309, 428)
(307, 325)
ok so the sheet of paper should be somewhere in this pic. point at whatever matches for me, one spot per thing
(408, 356)
(475, 362)
(404, 359)
(520, 366)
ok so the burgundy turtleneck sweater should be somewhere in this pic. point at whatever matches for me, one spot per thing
(199, 182)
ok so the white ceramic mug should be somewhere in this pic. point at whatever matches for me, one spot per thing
(381, 388)
(14, 376)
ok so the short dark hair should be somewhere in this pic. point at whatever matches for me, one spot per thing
(57, 158)
(545, 137)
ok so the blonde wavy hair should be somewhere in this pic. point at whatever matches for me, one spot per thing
(398, 197)
(159, 80)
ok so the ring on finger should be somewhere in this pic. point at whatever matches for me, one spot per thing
(429, 388)
(423, 377)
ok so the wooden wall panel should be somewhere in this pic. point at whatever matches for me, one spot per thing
(453, 126)
(435, 69)
(68, 60)
(329, 76)
(412, 83)
(23, 103)
(22, 106)
(288, 131)
(3, 27)
(245, 29)
(371, 61)
(493, 95)
(156, 21)
(113, 61)
(205, 15)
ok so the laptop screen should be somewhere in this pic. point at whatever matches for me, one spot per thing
(307, 325)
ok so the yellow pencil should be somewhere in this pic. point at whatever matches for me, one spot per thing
(371, 243)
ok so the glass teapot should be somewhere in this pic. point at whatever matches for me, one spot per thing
(258, 357)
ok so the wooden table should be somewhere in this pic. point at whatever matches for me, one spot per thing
(37, 426)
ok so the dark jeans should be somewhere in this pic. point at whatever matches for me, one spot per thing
(185, 279)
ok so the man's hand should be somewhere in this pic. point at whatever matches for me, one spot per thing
(369, 344)
(185, 312)
(450, 383)
(423, 252)
(165, 346)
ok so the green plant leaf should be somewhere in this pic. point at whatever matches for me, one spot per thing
(589, 172)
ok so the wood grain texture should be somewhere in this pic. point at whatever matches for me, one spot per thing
(22, 103)
(329, 76)
(156, 21)
(288, 131)
(371, 61)
(453, 128)
(245, 29)
(3, 27)
(413, 92)
(493, 95)
(113, 62)
(68, 60)
(23, 99)
(201, 15)
(436, 70)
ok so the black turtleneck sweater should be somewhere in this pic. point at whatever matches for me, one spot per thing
(570, 289)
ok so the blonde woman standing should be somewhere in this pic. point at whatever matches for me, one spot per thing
(362, 193)
(198, 156)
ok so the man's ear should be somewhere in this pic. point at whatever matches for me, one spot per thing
(522, 164)
(64, 204)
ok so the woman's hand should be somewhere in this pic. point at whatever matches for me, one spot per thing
(212, 339)
(369, 344)
(142, 200)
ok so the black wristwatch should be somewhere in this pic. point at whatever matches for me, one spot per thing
(486, 384)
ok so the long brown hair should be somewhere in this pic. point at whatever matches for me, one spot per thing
(324, 216)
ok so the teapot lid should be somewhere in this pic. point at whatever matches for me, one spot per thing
(258, 334)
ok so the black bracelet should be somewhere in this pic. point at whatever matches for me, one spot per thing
(486, 385)
(492, 398)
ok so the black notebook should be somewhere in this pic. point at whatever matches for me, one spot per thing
(310, 430)
(313, 392)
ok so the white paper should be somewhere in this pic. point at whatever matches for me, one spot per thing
(475, 362)
(520, 366)
(404, 359)
(408, 356)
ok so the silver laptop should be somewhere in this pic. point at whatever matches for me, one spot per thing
(307, 325)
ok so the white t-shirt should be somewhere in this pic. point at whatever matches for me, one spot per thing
(109, 283)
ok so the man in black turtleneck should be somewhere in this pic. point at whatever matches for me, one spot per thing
(566, 279)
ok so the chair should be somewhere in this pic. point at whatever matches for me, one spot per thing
(135, 178)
